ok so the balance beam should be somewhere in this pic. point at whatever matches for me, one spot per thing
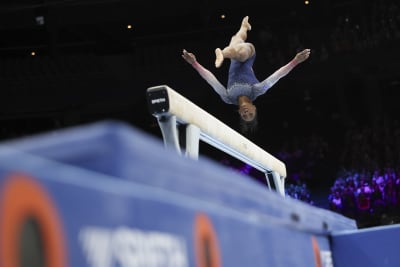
(172, 109)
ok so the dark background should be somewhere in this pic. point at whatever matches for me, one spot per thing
(88, 66)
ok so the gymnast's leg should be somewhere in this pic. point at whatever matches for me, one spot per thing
(237, 49)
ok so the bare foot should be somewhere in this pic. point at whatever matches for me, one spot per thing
(246, 24)
(219, 57)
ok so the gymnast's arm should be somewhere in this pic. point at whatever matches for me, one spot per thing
(206, 74)
(282, 72)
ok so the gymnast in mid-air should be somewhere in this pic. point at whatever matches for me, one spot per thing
(243, 87)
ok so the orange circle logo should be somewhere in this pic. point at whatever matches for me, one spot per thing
(206, 243)
(23, 200)
(317, 253)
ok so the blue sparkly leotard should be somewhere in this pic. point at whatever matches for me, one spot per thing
(242, 80)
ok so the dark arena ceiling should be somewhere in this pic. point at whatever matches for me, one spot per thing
(83, 22)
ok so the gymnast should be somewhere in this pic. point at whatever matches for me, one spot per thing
(243, 86)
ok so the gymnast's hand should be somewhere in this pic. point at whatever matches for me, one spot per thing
(302, 56)
(189, 57)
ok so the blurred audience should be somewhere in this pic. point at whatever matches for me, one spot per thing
(352, 30)
(368, 186)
